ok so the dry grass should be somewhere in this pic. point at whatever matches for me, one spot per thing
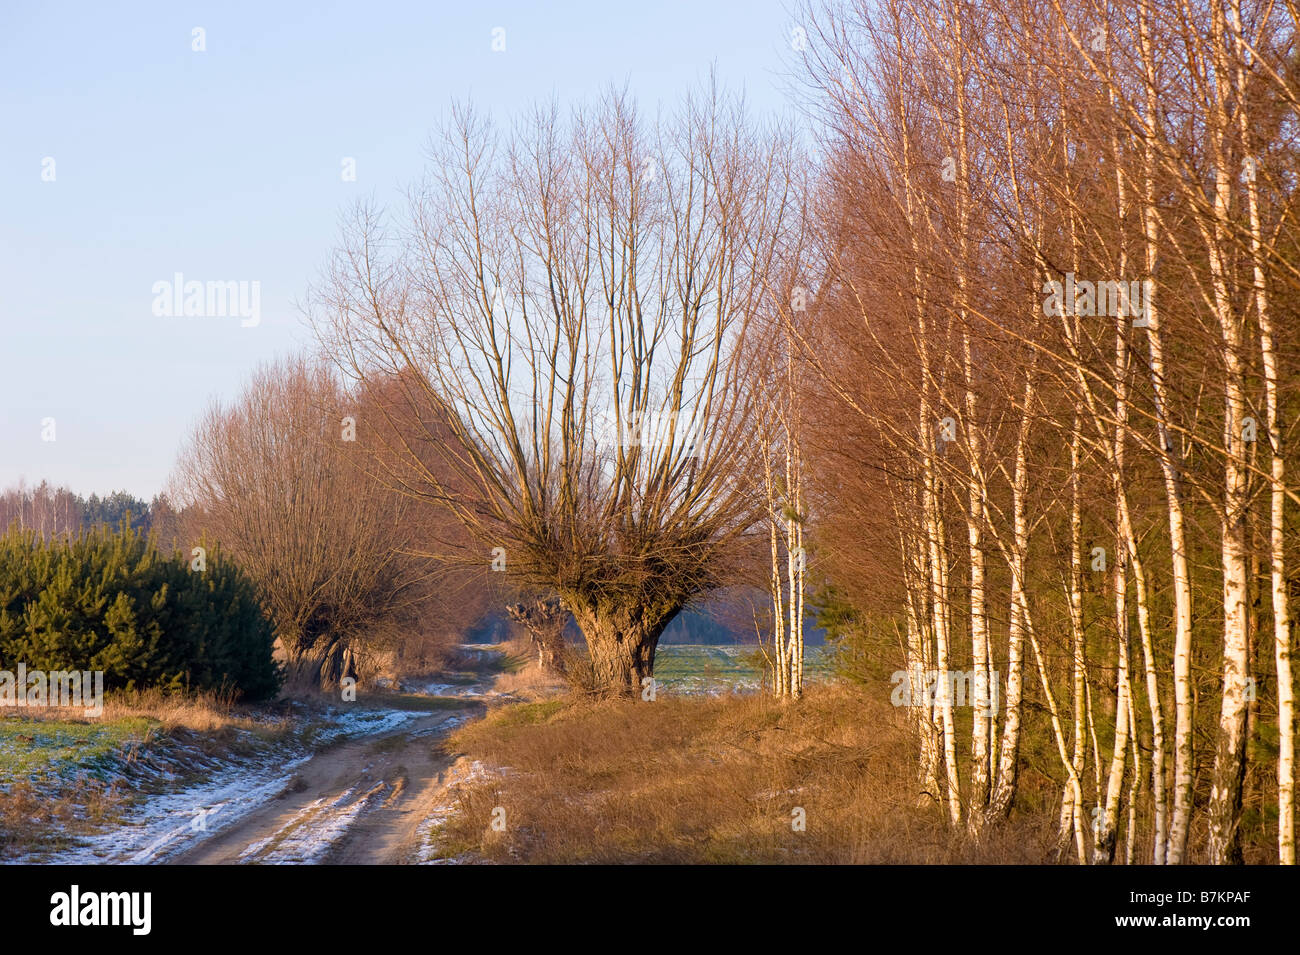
(201, 712)
(209, 712)
(420, 652)
(522, 676)
(517, 652)
(530, 684)
(688, 780)
(29, 813)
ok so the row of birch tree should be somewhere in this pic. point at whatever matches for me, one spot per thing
(1056, 334)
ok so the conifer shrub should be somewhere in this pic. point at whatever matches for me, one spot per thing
(110, 600)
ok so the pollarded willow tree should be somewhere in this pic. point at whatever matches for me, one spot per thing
(571, 297)
(272, 476)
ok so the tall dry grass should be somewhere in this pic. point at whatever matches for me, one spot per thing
(203, 712)
(690, 780)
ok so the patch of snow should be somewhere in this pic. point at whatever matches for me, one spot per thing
(458, 775)
(166, 823)
(313, 830)
(163, 824)
(348, 723)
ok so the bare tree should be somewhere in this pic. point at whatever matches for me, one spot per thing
(273, 478)
(545, 619)
(570, 300)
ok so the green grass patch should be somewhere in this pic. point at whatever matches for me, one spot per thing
(513, 662)
(526, 714)
(35, 748)
(458, 679)
(697, 668)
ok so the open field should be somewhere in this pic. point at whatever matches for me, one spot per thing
(694, 669)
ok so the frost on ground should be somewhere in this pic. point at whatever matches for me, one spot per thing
(173, 813)
(472, 687)
(171, 821)
(459, 691)
(314, 829)
(461, 773)
(714, 670)
(346, 724)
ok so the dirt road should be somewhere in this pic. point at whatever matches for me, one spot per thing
(355, 803)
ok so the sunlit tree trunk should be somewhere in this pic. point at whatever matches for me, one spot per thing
(1174, 846)
(1277, 474)
(1230, 746)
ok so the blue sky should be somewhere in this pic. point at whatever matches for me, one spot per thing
(226, 164)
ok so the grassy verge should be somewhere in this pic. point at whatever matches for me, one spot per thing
(63, 775)
(36, 748)
(708, 780)
(55, 776)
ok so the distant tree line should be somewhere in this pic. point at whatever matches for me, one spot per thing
(51, 511)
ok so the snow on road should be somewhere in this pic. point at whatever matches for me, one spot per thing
(162, 824)
(315, 828)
